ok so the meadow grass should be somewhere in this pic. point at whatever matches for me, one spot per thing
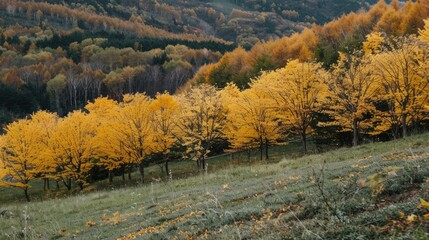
(332, 195)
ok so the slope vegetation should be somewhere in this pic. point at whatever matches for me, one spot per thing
(372, 191)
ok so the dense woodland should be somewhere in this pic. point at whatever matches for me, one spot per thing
(363, 77)
(241, 21)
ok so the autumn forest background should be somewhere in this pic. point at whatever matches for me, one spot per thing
(152, 91)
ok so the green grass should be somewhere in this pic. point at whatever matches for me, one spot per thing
(282, 199)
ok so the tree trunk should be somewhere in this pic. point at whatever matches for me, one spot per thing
(80, 185)
(355, 133)
(304, 141)
(58, 185)
(67, 183)
(141, 170)
(130, 170)
(27, 197)
(110, 176)
(203, 164)
(261, 148)
(404, 125)
(167, 171)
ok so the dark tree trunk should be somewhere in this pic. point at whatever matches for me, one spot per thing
(355, 133)
(67, 183)
(110, 176)
(27, 197)
(304, 141)
(404, 125)
(203, 163)
(167, 170)
(58, 185)
(261, 148)
(80, 185)
(130, 170)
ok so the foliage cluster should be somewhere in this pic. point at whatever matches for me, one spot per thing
(322, 43)
(381, 90)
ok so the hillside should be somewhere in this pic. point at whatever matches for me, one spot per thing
(241, 21)
(370, 192)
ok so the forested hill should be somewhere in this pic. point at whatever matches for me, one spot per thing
(241, 21)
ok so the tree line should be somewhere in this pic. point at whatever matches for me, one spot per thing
(63, 72)
(345, 34)
(381, 89)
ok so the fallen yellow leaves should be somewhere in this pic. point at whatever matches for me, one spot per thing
(159, 228)
(286, 180)
(359, 166)
(90, 223)
(424, 203)
(405, 156)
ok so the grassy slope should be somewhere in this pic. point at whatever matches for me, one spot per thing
(271, 201)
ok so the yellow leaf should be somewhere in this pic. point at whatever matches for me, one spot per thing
(424, 203)
(411, 218)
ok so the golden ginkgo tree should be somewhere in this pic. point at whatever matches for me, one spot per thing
(47, 123)
(132, 130)
(296, 89)
(22, 153)
(400, 70)
(253, 120)
(202, 120)
(110, 152)
(164, 113)
(73, 149)
(351, 93)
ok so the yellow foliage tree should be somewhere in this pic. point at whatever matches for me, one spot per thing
(352, 92)
(401, 71)
(373, 43)
(202, 120)
(164, 112)
(73, 149)
(110, 152)
(132, 129)
(253, 120)
(47, 122)
(424, 33)
(296, 89)
(22, 153)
